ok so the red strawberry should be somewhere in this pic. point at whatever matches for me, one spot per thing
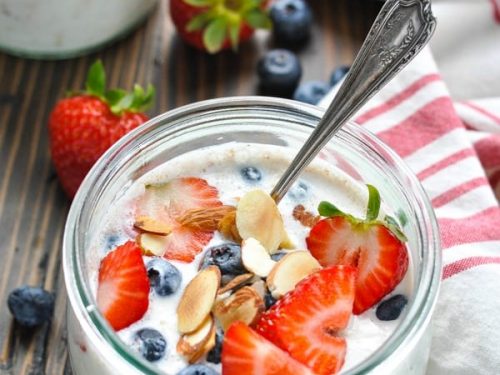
(84, 126)
(213, 25)
(168, 202)
(376, 248)
(244, 352)
(305, 322)
(123, 286)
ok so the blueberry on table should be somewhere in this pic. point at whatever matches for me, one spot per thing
(198, 370)
(31, 306)
(251, 174)
(214, 355)
(226, 256)
(391, 308)
(164, 277)
(338, 74)
(311, 92)
(292, 20)
(279, 72)
(150, 343)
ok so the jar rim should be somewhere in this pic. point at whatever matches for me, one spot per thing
(81, 298)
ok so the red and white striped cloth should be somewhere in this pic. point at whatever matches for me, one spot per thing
(454, 149)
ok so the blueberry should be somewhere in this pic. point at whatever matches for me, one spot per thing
(338, 74)
(269, 300)
(226, 256)
(251, 174)
(164, 277)
(277, 256)
(311, 92)
(31, 306)
(198, 370)
(279, 72)
(391, 308)
(112, 241)
(298, 192)
(292, 20)
(150, 343)
(214, 355)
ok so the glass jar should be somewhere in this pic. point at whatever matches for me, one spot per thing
(56, 29)
(93, 345)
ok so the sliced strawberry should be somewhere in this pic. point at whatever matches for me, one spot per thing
(123, 286)
(244, 352)
(168, 202)
(374, 247)
(306, 321)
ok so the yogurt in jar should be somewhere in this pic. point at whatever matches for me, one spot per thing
(233, 171)
(62, 28)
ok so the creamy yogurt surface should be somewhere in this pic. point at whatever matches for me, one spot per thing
(221, 167)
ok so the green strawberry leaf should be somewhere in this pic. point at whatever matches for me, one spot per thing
(215, 34)
(373, 203)
(327, 209)
(402, 217)
(391, 224)
(96, 79)
(114, 96)
(234, 36)
(200, 3)
(198, 22)
(257, 19)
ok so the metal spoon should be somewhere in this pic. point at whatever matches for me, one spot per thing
(400, 31)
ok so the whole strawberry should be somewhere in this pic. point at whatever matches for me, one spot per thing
(213, 25)
(84, 126)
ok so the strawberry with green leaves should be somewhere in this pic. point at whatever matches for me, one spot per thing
(82, 127)
(375, 247)
(214, 25)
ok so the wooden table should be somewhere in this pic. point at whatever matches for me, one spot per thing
(32, 205)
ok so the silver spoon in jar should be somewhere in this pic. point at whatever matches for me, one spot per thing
(400, 31)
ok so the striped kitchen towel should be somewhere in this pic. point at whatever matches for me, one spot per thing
(416, 116)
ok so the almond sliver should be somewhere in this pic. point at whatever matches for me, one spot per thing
(255, 258)
(194, 345)
(149, 225)
(244, 305)
(152, 244)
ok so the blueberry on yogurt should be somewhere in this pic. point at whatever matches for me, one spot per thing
(391, 308)
(277, 256)
(226, 256)
(150, 343)
(164, 277)
(214, 355)
(251, 174)
(299, 191)
(198, 370)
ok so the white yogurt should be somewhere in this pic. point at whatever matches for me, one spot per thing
(220, 166)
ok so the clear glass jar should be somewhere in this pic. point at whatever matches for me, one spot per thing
(93, 345)
(56, 29)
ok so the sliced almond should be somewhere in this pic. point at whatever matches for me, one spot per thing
(289, 271)
(205, 219)
(198, 299)
(227, 226)
(260, 287)
(149, 225)
(245, 305)
(306, 218)
(255, 258)
(236, 282)
(257, 216)
(195, 344)
(152, 244)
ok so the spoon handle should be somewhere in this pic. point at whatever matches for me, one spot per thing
(400, 31)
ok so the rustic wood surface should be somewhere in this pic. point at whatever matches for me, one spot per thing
(33, 207)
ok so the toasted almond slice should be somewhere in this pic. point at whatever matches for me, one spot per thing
(236, 282)
(257, 216)
(255, 258)
(244, 305)
(194, 345)
(289, 271)
(260, 287)
(205, 219)
(306, 218)
(198, 299)
(227, 226)
(149, 225)
(152, 244)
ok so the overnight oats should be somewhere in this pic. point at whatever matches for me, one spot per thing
(194, 269)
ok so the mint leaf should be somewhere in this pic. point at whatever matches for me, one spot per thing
(257, 19)
(327, 209)
(373, 203)
(214, 35)
(200, 3)
(96, 79)
(198, 22)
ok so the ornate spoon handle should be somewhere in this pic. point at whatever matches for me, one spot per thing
(400, 31)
